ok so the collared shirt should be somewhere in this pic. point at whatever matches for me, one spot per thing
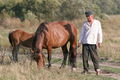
(91, 33)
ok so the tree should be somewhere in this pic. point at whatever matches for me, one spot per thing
(70, 9)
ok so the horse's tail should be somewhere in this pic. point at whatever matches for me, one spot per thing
(72, 30)
(10, 39)
(68, 27)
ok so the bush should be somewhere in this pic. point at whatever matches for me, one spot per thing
(51, 10)
(104, 16)
(11, 22)
(30, 16)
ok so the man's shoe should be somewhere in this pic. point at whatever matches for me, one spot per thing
(98, 71)
(85, 72)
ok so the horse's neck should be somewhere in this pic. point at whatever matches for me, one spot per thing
(40, 38)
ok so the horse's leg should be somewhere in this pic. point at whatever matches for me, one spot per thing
(49, 50)
(65, 54)
(15, 49)
(72, 55)
(15, 53)
(32, 56)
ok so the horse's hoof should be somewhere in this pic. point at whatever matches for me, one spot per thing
(62, 66)
(49, 66)
(74, 69)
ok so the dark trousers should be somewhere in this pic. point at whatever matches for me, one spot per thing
(90, 49)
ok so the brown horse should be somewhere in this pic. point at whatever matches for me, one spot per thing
(54, 35)
(17, 38)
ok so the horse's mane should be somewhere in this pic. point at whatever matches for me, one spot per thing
(41, 29)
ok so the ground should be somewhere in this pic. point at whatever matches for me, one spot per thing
(25, 70)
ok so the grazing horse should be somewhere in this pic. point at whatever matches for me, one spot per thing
(17, 38)
(54, 35)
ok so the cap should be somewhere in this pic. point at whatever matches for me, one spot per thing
(88, 13)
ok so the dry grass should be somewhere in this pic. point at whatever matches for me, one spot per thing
(111, 42)
(24, 71)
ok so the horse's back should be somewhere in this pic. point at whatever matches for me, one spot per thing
(65, 25)
(62, 27)
(59, 33)
(19, 36)
(22, 35)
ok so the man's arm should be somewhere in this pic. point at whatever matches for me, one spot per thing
(100, 36)
(81, 36)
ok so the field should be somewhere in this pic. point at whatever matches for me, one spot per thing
(26, 70)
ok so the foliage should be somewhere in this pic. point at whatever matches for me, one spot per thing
(108, 6)
(50, 10)
(70, 9)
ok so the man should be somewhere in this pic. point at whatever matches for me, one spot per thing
(90, 38)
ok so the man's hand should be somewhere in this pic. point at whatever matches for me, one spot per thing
(79, 44)
(99, 45)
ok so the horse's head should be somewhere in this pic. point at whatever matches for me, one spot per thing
(39, 58)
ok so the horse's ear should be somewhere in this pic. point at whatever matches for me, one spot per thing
(43, 26)
(45, 22)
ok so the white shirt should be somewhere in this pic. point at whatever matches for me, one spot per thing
(91, 33)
